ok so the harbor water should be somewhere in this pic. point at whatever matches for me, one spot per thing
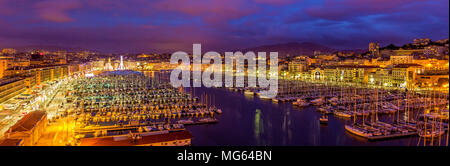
(248, 120)
(251, 121)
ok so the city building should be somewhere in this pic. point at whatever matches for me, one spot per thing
(356, 61)
(382, 62)
(404, 75)
(422, 41)
(297, 66)
(374, 49)
(9, 51)
(401, 59)
(349, 73)
(98, 65)
(18, 63)
(433, 81)
(132, 64)
(10, 87)
(3, 66)
(79, 68)
(29, 128)
(317, 74)
(403, 52)
(331, 74)
(434, 50)
(381, 77)
(36, 75)
(432, 64)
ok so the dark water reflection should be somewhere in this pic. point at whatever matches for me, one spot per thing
(247, 120)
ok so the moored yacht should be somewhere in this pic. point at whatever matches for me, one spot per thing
(300, 103)
(342, 114)
(323, 119)
(318, 101)
(358, 131)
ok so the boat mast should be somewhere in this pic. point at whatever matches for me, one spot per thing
(398, 108)
(434, 119)
(364, 105)
(440, 116)
(354, 118)
(448, 125)
(376, 107)
(425, 138)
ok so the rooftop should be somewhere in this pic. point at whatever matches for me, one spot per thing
(27, 122)
(149, 139)
(36, 67)
(10, 142)
(353, 66)
(5, 81)
(406, 65)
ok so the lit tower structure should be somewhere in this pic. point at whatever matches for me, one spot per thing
(108, 66)
(121, 67)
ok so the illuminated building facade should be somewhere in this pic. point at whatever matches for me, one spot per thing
(401, 59)
(434, 50)
(381, 77)
(422, 41)
(9, 51)
(29, 128)
(404, 75)
(3, 66)
(10, 87)
(374, 49)
(297, 66)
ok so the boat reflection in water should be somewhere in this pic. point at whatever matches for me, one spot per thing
(254, 120)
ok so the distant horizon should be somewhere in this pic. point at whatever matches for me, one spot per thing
(75, 49)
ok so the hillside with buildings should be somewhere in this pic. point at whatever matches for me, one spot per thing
(422, 64)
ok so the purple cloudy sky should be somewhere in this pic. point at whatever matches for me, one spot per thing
(219, 25)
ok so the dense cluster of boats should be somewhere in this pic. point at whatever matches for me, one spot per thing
(129, 100)
(404, 112)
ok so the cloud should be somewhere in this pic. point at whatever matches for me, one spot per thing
(56, 10)
(4, 7)
(140, 25)
(212, 11)
(345, 9)
(276, 2)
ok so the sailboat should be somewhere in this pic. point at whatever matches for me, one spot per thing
(358, 131)
(300, 103)
(318, 101)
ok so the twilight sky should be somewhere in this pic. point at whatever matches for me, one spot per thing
(219, 25)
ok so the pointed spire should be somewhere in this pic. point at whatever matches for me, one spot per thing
(121, 66)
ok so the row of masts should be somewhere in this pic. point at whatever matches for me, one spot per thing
(375, 111)
(120, 97)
